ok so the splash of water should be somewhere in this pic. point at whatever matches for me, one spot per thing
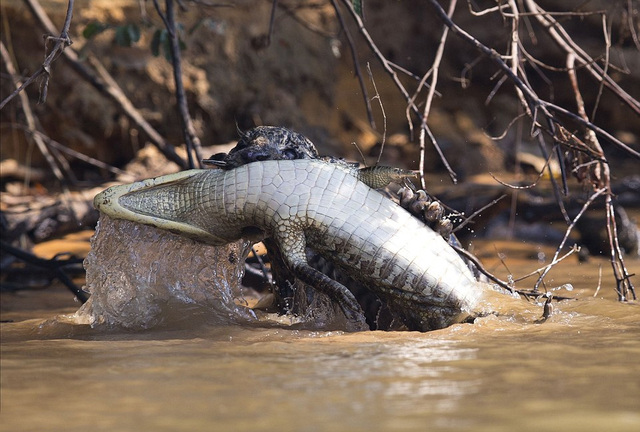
(140, 277)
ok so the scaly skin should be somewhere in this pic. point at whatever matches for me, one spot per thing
(279, 143)
(306, 202)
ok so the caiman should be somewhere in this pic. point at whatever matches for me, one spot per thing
(290, 294)
(300, 203)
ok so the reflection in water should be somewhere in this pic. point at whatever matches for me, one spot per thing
(576, 372)
(428, 370)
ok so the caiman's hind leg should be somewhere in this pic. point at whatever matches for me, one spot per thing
(336, 291)
(292, 244)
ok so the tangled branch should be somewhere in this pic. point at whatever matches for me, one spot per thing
(547, 116)
(575, 138)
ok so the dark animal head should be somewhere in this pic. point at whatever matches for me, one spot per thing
(269, 143)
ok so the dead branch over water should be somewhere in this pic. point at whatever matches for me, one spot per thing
(595, 171)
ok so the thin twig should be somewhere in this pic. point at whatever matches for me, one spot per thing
(356, 64)
(62, 42)
(433, 71)
(272, 21)
(384, 115)
(477, 212)
(263, 267)
(607, 41)
(163, 17)
(386, 65)
(595, 294)
(584, 208)
(469, 256)
(631, 25)
(364, 159)
(534, 103)
(514, 47)
(73, 153)
(532, 185)
(564, 41)
(548, 266)
(600, 176)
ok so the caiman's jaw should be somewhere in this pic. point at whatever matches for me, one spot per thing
(152, 202)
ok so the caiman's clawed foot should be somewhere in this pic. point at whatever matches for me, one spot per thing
(338, 292)
(426, 209)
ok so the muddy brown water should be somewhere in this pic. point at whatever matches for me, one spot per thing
(578, 371)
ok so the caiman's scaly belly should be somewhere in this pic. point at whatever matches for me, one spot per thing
(308, 202)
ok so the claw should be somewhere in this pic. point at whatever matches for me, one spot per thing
(433, 212)
(406, 196)
(423, 197)
(444, 227)
(418, 206)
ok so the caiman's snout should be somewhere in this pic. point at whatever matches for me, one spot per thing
(161, 202)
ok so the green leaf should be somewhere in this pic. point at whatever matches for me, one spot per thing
(358, 7)
(134, 33)
(155, 43)
(160, 42)
(127, 35)
(93, 29)
(122, 37)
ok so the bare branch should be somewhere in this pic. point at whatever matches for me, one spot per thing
(534, 103)
(107, 85)
(599, 176)
(387, 66)
(28, 113)
(55, 265)
(433, 71)
(584, 208)
(477, 212)
(532, 185)
(469, 256)
(74, 154)
(548, 266)
(564, 41)
(190, 137)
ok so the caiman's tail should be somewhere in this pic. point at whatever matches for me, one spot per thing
(162, 202)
